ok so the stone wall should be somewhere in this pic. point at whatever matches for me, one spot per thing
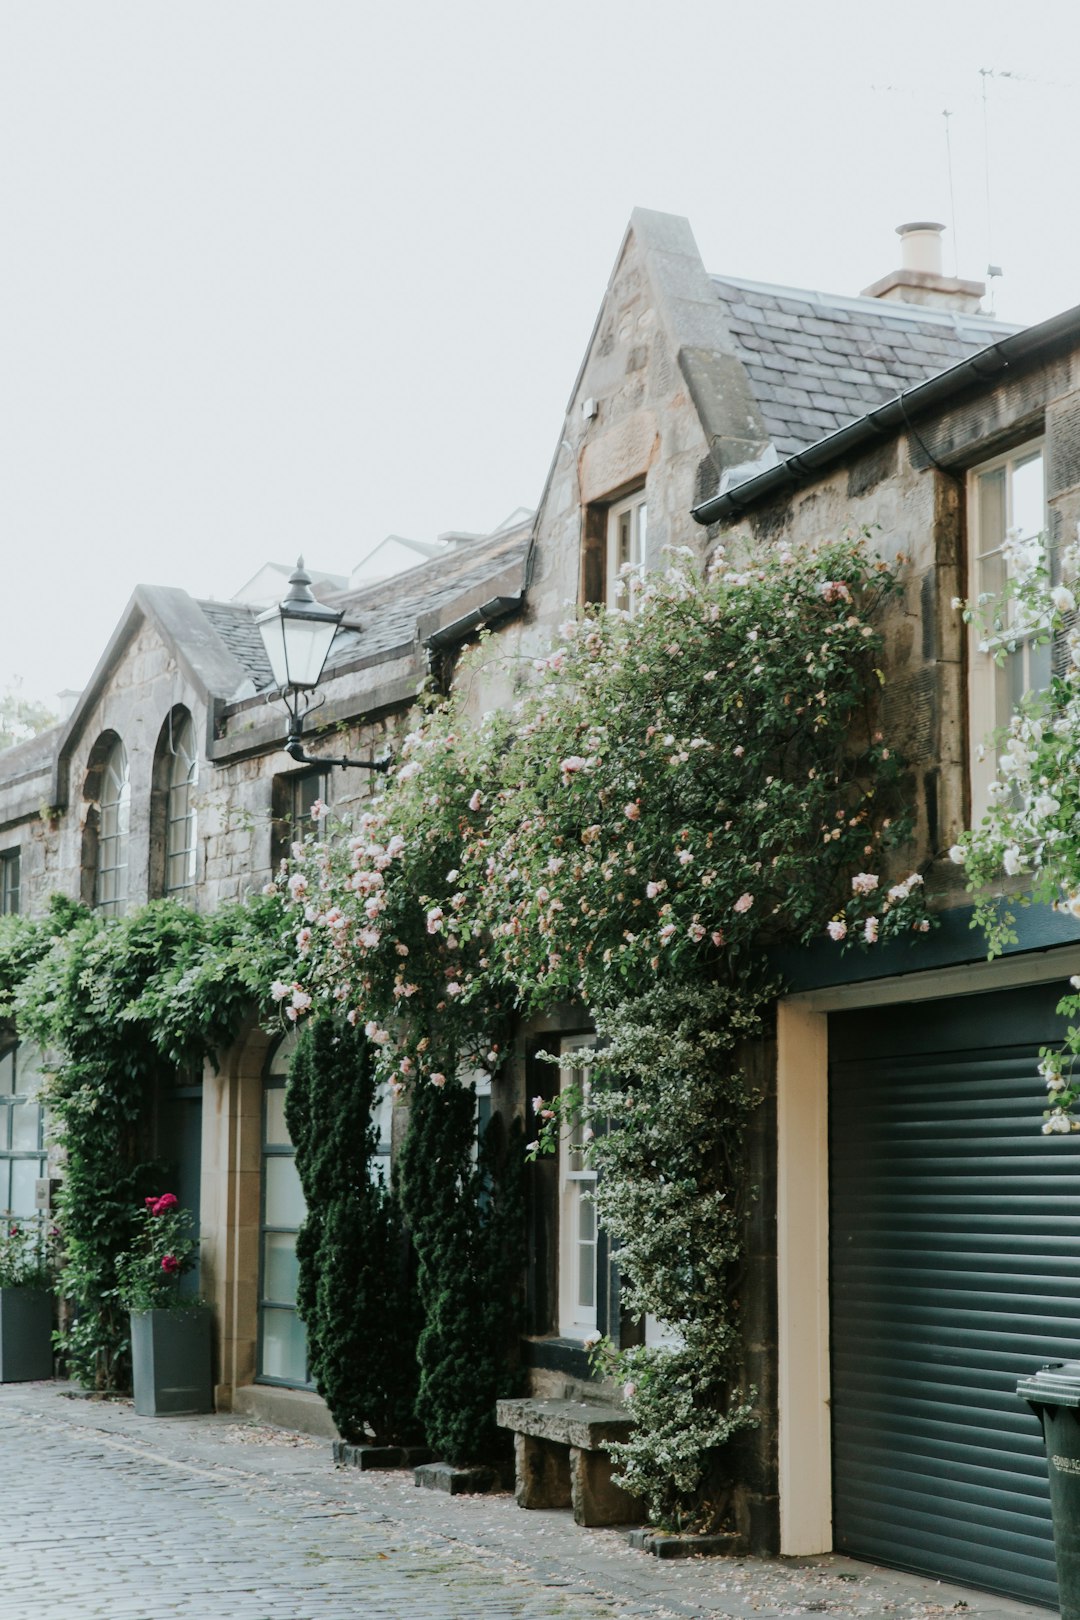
(910, 492)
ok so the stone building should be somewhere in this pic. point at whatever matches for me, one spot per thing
(704, 406)
(925, 1257)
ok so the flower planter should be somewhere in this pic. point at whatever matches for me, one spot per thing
(25, 1334)
(170, 1361)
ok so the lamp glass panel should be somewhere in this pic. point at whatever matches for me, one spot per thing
(307, 643)
(273, 637)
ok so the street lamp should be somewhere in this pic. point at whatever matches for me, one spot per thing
(298, 633)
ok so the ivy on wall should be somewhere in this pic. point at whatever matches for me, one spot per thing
(119, 1008)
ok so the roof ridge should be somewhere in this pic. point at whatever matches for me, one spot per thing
(884, 307)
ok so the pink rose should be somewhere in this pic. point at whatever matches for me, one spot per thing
(163, 1204)
(744, 902)
(170, 1264)
(438, 1079)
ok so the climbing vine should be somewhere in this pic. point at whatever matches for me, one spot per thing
(1026, 848)
(668, 796)
(118, 1006)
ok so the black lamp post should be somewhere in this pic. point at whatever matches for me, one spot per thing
(298, 633)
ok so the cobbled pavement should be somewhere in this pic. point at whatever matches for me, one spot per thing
(108, 1516)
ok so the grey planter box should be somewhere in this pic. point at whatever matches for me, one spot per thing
(170, 1361)
(25, 1334)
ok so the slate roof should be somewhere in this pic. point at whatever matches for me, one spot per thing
(817, 362)
(385, 612)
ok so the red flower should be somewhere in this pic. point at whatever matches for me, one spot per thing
(170, 1264)
(159, 1206)
(150, 1203)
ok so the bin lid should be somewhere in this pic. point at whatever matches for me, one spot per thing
(1056, 1384)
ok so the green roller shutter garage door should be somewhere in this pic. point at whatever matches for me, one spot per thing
(955, 1265)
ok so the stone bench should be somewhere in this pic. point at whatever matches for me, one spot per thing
(561, 1458)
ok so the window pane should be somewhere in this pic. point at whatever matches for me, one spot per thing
(24, 1173)
(7, 1072)
(5, 1184)
(992, 518)
(28, 1074)
(284, 1196)
(9, 883)
(624, 539)
(280, 1268)
(277, 1132)
(1039, 667)
(1028, 496)
(284, 1346)
(642, 532)
(282, 1056)
(25, 1127)
(5, 1129)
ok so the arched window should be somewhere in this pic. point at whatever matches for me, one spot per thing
(114, 813)
(180, 813)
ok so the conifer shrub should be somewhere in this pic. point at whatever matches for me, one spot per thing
(465, 1208)
(355, 1295)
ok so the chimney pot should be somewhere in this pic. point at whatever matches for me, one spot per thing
(920, 246)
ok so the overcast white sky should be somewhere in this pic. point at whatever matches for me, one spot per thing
(284, 275)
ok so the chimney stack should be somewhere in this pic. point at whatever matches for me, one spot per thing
(919, 279)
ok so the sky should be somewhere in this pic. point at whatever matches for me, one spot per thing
(283, 276)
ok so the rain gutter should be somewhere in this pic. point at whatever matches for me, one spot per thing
(895, 415)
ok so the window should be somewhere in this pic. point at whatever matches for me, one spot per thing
(293, 797)
(9, 882)
(1007, 521)
(114, 807)
(22, 1151)
(627, 523)
(283, 1348)
(578, 1232)
(180, 812)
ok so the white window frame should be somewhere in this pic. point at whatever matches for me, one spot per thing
(627, 534)
(181, 816)
(988, 682)
(576, 1182)
(114, 819)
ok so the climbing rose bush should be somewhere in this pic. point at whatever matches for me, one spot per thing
(667, 796)
(1030, 834)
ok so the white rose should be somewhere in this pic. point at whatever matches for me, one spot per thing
(1063, 599)
(957, 855)
(1011, 860)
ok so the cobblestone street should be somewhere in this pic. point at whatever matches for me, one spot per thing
(105, 1514)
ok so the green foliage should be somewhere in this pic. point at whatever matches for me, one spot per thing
(670, 796)
(26, 1260)
(466, 1215)
(121, 1006)
(670, 1107)
(1029, 834)
(355, 1294)
(163, 1248)
(21, 717)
